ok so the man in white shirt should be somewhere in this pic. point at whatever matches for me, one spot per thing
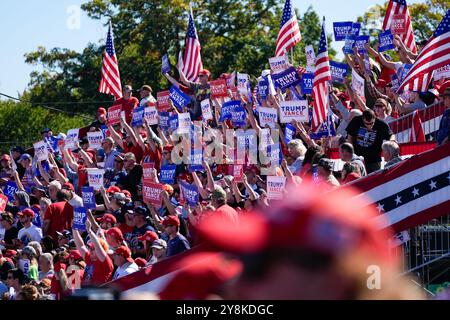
(147, 100)
(29, 232)
(125, 264)
(74, 200)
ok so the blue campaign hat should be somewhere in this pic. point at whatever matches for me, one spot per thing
(25, 156)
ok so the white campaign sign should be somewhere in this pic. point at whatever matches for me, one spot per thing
(71, 138)
(357, 83)
(275, 187)
(242, 80)
(310, 56)
(206, 110)
(267, 116)
(184, 123)
(95, 139)
(41, 151)
(279, 64)
(294, 110)
(95, 178)
(151, 115)
(442, 73)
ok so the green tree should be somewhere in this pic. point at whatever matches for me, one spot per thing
(235, 35)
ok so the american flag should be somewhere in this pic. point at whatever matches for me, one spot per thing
(289, 34)
(417, 133)
(434, 55)
(110, 83)
(400, 7)
(320, 83)
(192, 58)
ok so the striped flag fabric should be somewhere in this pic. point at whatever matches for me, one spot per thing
(110, 82)
(412, 192)
(320, 83)
(192, 63)
(417, 133)
(434, 55)
(289, 34)
(396, 7)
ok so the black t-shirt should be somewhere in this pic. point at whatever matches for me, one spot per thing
(10, 235)
(132, 180)
(368, 143)
(132, 238)
(6, 266)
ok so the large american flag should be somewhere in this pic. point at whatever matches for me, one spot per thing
(320, 83)
(110, 82)
(289, 34)
(400, 7)
(434, 55)
(192, 63)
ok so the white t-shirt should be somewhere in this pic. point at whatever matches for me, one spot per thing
(125, 270)
(146, 101)
(76, 201)
(32, 233)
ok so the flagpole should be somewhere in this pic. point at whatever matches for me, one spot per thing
(292, 55)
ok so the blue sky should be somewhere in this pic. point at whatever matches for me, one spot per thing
(29, 24)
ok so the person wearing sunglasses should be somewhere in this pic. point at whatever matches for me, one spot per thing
(367, 134)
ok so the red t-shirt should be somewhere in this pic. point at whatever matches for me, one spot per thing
(125, 228)
(153, 156)
(227, 213)
(103, 271)
(128, 106)
(82, 177)
(136, 150)
(60, 215)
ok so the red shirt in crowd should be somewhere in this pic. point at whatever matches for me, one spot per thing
(103, 271)
(125, 228)
(128, 106)
(82, 176)
(136, 150)
(60, 215)
(153, 156)
(227, 213)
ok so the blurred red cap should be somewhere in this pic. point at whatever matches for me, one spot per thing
(171, 221)
(116, 233)
(113, 189)
(149, 236)
(26, 212)
(107, 217)
(101, 110)
(124, 252)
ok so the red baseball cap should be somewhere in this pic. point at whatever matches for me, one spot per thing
(26, 212)
(149, 236)
(116, 233)
(75, 254)
(107, 217)
(204, 72)
(5, 157)
(68, 186)
(340, 222)
(140, 262)
(171, 221)
(127, 193)
(124, 252)
(113, 189)
(9, 253)
(101, 110)
(208, 271)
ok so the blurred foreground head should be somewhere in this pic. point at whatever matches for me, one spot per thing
(311, 245)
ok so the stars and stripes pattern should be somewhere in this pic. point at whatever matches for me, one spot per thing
(320, 83)
(192, 63)
(412, 192)
(434, 55)
(400, 7)
(110, 82)
(417, 133)
(289, 34)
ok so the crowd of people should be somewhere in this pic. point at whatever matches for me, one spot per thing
(44, 256)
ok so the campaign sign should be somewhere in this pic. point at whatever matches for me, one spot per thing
(286, 79)
(151, 192)
(279, 64)
(267, 116)
(71, 138)
(3, 202)
(237, 171)
(173, 122)
(162, 100)
(442, 73)
(265, 138)
(349, 43)
(95, 139)
(398, 25)
(95, 178)
(190, 193)
(360, 42)
(227, 109)
(218, 88)
(307, 83)
(325, 130)
(395, 82)
(275, 187)
(195, 161)
(165, 67)
(179, 98)
(151, 115)
(385, 41)
(289, 132)
(138, 117)
(114, 114)
(40, 150)
(10, 190)
(341, 30)
(242, 83)
(167, 174)
(238, 116)
(147, 168)
(184, 123)
(405, 70)
(231, 80)
(105, 131)
(357, 83)
(164, 118)
(294, 110)
(356, 26)
(310, 56)
(338, 71)
(79, 218)
(206, 109)
(87, 194)
(263, 88)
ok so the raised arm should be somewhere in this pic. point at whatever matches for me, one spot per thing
(183, 78)
(101, 253)
(79, 243)
(115, 136)
(172, 80)
(203, 193)
(129, 131)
